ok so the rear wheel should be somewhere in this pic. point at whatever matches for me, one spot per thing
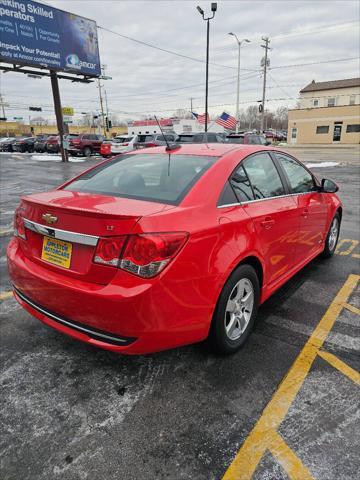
(236, 310)
(332, 237)
(87, 151)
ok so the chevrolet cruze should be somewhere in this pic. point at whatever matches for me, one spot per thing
(168, 246)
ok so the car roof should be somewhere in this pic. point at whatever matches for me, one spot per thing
(210, 150)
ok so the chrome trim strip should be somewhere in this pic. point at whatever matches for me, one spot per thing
(263, 199)
(67, 323)
(65, 235)
(229, 205)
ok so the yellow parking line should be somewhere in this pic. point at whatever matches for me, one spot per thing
(351, 247)
(5, 295)
(261, 438)
(288, 460)
(341, 366)
(351, 308)
(6, 232)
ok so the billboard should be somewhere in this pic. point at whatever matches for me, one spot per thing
(39, 35)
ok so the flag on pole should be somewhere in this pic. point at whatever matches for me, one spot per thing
(226, 121)
(201, 118)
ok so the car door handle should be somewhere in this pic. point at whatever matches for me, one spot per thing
(268, 222)
(305, 213)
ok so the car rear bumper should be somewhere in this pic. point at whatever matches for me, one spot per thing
(129, 315)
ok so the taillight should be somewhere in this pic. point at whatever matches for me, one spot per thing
(19, 227)
(108, 250)
(146, 255)
(76, 141)
(124, 144)
(150, 145)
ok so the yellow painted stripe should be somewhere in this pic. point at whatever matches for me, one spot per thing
(356, 255)
(292, 465)
(351, 247)
(260, 438)
(6, 232)
(351, 308)
(5, 295)
(341, 366)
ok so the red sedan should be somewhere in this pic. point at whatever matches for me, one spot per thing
(166, 247)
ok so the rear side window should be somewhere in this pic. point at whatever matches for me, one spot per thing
(154, 177)
(241, 185)
(301, 181)
(264, 178)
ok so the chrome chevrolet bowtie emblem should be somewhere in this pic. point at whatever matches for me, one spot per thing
(50, 219)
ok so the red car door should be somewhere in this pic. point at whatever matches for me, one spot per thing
(263, 195)
(311, 205)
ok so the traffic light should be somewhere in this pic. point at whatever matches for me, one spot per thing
(108, 123)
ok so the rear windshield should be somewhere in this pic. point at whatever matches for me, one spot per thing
(122, 139)
(160, 178)
(235, 139)
(185, 138)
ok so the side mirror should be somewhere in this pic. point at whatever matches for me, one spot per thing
(328, 186)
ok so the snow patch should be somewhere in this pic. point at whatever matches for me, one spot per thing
(322, 164)
(56, 158)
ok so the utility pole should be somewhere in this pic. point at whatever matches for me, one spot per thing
(266, 46)
(102, 108)
(191, 104)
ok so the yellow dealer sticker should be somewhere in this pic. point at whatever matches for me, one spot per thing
(56, 252)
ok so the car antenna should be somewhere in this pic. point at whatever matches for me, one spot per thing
(168, 146)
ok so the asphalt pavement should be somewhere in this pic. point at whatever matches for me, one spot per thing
(285, 406)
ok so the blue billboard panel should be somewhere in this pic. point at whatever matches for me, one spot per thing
(42, 36)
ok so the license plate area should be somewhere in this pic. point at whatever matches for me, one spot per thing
(57, 252)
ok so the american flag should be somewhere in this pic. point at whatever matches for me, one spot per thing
(226, 121)
(201, 118)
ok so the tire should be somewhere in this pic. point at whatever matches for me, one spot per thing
(332, 237)
(229, 332)
(87, 152)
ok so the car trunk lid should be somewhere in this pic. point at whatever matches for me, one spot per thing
(62, 229)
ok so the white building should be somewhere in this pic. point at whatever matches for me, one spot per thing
(147, 127)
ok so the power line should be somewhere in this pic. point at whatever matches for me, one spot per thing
(316, 63)
(150, 45)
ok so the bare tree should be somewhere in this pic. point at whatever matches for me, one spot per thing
(38, 121)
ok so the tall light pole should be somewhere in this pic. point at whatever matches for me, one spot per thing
(239, 42)
(201, 11)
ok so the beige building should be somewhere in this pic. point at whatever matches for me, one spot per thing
(16, 128)
(328, 113)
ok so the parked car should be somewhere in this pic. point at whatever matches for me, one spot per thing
(53, 144)
(155, 140)
(209, 137)
(185, 138)
(117, 145)
(40, 143)
(134, 256)
(85, 144)
(7, 143)
(247, 139)
(24, 144)
(273, 135)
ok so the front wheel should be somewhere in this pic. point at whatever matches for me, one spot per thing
(236, 310)
(332, 237)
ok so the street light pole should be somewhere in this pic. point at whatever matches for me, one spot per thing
(201, 11)
(239, 42)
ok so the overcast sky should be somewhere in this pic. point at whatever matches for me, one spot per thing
(146, 80)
